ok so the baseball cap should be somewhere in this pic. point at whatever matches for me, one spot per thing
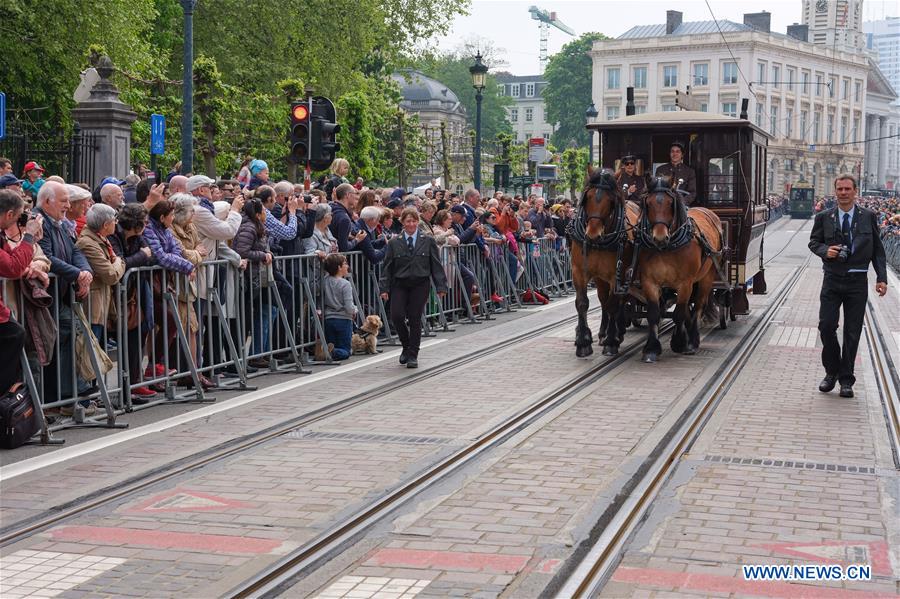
(108, 180)
(32, 166)
(256, 166)
(398, 193)
(198, 181)
(395, 203)
(458, 209)
(10, 179)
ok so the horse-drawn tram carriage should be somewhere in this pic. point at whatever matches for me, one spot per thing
(697, 234)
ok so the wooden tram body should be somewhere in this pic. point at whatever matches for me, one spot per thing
(728, 156)
(802, 200)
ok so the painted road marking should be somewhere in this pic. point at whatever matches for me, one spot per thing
(68, 453)
(48, 574)
(164, 539)
(874, 553)
(368, 587)
(805, 337)
(716, 583)
(181, 500)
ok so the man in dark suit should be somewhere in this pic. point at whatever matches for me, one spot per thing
(847, 239)
(676, 170)
(410, 263)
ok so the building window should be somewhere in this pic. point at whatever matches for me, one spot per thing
(729, 108)
(514, 115)
(856, 129)
(612, 113)
(759, 114)
(788, 164)
(729, 73)
(773, 119)
(529, 90)
(701, 74)
(704, 107)
(818, 85)
(761, 73)
(803, 126)
(843, 129)
(612, 78)
(791, 73)
(514, 90)
(501, 89)
(640, 108)
(845, 89)
(776, 75)
(529, 115)
(640, 77)
(832, 87)
(670, 76)
(817, 126)
(805, 83)
(829, 133)
(857, 90)
(668, 108)
(546, 136)
(788, 122)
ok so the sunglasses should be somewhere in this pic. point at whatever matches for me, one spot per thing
(629, 164)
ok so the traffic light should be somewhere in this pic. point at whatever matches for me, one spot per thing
(300, 132)
(323, 134)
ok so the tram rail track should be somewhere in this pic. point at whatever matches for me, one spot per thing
(887, 379)
(594, 561)
(39, 522)
(280, 576)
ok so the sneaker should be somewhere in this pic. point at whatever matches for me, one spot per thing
(143, 392)
(157, 371)
(528, 297)
(542, 298)
(90, 408)
(496, 298)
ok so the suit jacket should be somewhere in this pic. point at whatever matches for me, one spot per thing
(867, 245)
(681, 171)
(401, 265)
(66, 260)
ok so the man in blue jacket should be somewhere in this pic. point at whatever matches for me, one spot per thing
(342, 225)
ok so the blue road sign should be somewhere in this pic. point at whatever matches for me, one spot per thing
(2, 115)
(157, 134)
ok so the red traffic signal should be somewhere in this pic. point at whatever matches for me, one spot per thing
(300, 131)
(300, 112)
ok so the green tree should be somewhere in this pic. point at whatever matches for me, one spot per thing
(573, 167)
(568, 91)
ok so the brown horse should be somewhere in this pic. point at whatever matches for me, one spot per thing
(678, 249)
(600, 235)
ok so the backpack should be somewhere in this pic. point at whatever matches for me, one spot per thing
(18, 422)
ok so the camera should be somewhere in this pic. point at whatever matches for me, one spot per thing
(843, 253)
(24, 218)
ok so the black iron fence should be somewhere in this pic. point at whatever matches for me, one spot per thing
(72, 157)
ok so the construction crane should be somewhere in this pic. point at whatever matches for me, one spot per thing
(546, 19)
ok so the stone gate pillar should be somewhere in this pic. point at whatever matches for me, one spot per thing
(109, 119)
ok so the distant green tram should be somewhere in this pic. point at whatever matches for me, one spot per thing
(802, 199)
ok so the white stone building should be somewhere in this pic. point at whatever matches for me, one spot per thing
(810, 98)
(528, 115)
(883, 42)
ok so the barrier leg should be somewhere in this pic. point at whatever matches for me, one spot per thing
(80, 321)
(289, 332)
(198, 395)
(46, 436)
(320, 328)
(239, 365)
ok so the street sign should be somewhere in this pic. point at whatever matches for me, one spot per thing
(536, 149)
(2, 115)
(537, 189)
(157, 134)
(685, 101)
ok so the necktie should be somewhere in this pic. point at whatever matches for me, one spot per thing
(845, 229)
(409, 244)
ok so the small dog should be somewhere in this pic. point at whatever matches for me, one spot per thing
(365, 339)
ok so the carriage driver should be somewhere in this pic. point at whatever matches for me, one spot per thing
(627, 176)
(676, 169)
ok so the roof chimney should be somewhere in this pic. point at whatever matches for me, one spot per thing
(673, 21)
(800, 32)
(760, 21)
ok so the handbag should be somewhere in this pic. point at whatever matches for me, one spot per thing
(17, 418)
(83, 364)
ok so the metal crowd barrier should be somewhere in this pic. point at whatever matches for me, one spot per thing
(892, 249)
(171, 331)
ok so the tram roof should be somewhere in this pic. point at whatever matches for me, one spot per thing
(675, 118)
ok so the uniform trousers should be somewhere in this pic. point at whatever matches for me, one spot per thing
(851, 292)
(408, 297)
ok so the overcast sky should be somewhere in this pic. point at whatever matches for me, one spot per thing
(509, 26)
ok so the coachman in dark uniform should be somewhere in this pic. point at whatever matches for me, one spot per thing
(411, 261)
(676, 169)
(635, 185)
(847, 239)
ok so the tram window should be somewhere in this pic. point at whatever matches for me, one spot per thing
(720, 181)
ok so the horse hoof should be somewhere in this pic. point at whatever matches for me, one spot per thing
(584, 351)
(649, 358)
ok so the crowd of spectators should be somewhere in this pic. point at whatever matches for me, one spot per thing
(86, 240)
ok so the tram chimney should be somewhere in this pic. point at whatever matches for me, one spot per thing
(629, 101)
(673, 21)
(745, 102)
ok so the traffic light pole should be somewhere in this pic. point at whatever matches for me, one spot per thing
(187, 119)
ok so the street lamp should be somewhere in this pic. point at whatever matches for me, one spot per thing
(187, 117)
(479, 71)
(590, 114)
